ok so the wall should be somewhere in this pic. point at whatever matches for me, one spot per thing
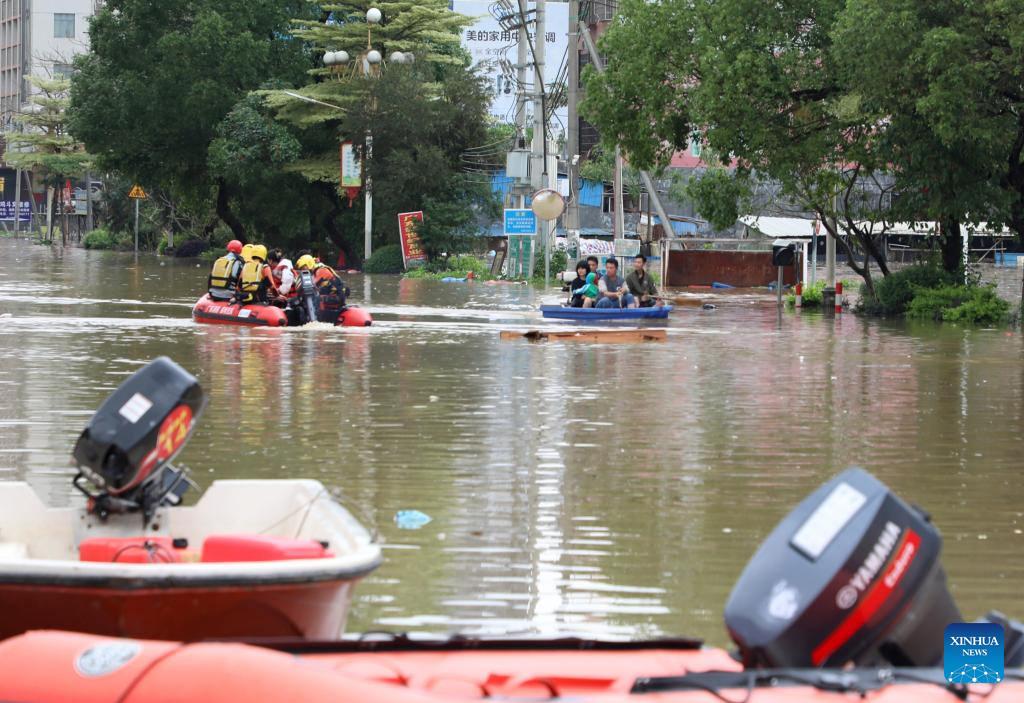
(742, 269)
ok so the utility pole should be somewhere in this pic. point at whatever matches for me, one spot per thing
(522, 61)
(538, 175)
(572, 215)
(619, 226)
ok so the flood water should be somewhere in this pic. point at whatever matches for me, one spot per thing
(614, 490)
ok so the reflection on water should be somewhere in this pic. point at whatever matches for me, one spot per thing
(616, 490)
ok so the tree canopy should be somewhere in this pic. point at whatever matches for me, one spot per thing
(160, 77)
(861, 111)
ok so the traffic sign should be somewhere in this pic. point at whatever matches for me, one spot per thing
(137, 192)
(520, 222)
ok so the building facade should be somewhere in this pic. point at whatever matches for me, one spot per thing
(38, 38)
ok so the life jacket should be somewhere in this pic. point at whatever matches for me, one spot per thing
(224, 276)
(251, 285)
(330, 287)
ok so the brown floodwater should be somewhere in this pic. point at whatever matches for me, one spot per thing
(609, 490)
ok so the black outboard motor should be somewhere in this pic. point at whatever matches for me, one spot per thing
(126, 449)
(308, 299)
(851, 575)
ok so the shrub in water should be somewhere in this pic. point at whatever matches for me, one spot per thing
(191, 249)
(386, 259)
(895, 291)
(99, 239)
(977, 305)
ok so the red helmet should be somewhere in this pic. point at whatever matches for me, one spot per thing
(235, 246)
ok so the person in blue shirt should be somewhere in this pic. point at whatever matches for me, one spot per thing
(612, 288)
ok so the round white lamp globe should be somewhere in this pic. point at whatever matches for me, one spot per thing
(547, 204)
(373, 15)
(373, 56)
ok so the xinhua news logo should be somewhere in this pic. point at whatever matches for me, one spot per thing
(973, 653)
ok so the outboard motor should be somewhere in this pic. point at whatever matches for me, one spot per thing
(125, 450)
(308, 299)
(851, 575)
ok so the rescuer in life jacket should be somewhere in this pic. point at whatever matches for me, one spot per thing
(329, 285)
(257, 282)
(283, 272)
(226, 273)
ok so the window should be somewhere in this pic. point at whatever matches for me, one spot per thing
(63, 71)
(64, 25)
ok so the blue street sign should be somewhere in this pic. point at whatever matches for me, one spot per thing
(520, 223)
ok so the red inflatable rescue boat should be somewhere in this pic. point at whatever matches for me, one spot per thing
(219, 312)
(65, 666)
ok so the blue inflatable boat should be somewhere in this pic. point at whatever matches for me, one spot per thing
(562, 312)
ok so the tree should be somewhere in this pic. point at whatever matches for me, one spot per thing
(423, 117)
(161, 77)
(782, 90)
(43, 145)
(945, 82)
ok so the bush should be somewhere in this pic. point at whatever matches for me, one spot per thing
(114, 241)
(559, 263)
(812, 295)
(977, 305)
(386, 259)
(191, 248)
(99, 239)
(454, 266)
(895, 291)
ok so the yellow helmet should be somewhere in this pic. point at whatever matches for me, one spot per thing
(306, 262)
(259, 252)
(247, 252)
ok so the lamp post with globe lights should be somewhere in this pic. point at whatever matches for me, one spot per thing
(369, 64)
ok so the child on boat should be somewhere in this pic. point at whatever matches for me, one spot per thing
(590, 291)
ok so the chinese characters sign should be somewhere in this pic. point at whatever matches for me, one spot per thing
(407, 224)
(351, 167)
(492, 47)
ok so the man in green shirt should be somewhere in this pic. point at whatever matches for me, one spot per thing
(640, 284)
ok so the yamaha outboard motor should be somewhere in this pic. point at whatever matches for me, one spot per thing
(851, 575)
(125, 450)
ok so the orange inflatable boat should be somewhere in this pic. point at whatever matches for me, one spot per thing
(61, 666)
(219, 312)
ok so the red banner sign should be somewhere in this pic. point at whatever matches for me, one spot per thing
(407, 224)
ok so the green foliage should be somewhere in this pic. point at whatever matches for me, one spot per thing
(812, 294)
(452, 266)
(160, 78)
(977, 305)
(385, 259)
(249, 143)
(44, 144)
(895, 293)
(600, 167)
(100, 239)
(559, 263)
(720, 196)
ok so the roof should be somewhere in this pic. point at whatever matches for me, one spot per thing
(780, 227)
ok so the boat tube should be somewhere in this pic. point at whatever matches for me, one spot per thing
(219, 312)
(564, 312)
(94, 669)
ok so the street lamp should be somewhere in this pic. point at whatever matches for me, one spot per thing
(372, 61)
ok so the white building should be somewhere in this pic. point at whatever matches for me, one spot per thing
(40, 38)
